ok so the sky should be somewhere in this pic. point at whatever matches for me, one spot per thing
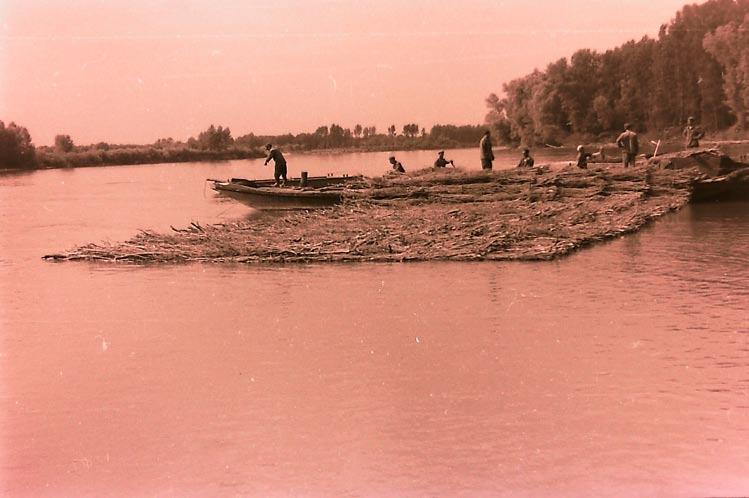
(133, 71)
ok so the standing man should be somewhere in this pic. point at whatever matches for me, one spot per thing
(441, 162)
(629, 144)
(280, 164)
(487, 154)
(692, 134)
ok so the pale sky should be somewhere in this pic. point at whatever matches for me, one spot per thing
(133, 71)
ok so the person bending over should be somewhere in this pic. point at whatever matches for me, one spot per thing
(279, 172)
(397, 166)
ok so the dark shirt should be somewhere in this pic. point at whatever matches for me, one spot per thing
(398, 167)
(582, 159)
(277, 157)
(441, 162)
(526, 162)
(693, 134)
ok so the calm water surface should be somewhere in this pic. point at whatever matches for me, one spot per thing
(622, 370)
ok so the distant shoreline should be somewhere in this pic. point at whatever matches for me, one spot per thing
(129, 156)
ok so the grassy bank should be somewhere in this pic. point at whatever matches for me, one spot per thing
(138, 155)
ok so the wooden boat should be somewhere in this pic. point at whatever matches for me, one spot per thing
(320, 192)
(310, 181)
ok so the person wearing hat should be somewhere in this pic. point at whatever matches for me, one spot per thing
(487, 154)
(397, 166)
(692, 134)
(280, 164)
(526, 161)
(441, 162)
(582, 157)
(629, 144)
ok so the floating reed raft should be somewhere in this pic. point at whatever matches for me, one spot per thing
(519, 214)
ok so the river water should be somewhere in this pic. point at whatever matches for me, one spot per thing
(622, 370)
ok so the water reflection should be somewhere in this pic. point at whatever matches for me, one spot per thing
(620, 370)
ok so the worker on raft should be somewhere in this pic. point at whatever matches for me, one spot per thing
(583, 157)
(279, 172)
(629, 144)
(441, 162)
(397, 166)
(526, 161)
(487, 154)
(692, 134)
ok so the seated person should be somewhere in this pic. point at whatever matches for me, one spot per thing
(441, 162)
(397, 166)
(582, 157)
(526, 161)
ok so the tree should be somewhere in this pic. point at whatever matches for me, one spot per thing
(213, 139)
(16, 149)
(653, 83)
(63, 143)
(391, 130)
(730, 46)
(336, 136)
(357, 130)
(410, 130)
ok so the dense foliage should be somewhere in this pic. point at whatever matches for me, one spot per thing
(16, 149)
(216, 143)
(212, 139)
(698, 66)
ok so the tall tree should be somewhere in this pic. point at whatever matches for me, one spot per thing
(63, 143)
(16, 149)
(730, 46)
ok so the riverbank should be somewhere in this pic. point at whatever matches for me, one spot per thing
(135, 155)
(650, 145)
(139, 155)
(520, 214)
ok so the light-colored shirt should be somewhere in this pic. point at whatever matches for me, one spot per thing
(629, 142)
(486, 148)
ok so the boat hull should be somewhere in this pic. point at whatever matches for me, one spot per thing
(278, 197)
(311, 181)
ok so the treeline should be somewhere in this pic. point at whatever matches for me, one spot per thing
(216, 143)
(698, 66)
(367, 138)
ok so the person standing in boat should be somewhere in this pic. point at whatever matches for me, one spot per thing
(397, 166)
(441, 162)
(526, 161)
(629, 144)
(692, 134)
(280, 164)
(487, 154)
